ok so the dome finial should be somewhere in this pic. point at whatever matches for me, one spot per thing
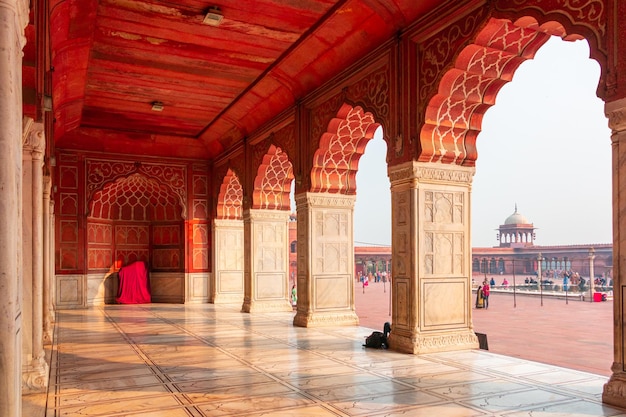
(516, 207)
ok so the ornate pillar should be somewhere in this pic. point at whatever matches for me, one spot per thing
(47, 310)
(50, 266)
(13, 20)
(266, 261)
(325, 260)
(431, 257)
(35, 368)
(228, 256)
(615, 390)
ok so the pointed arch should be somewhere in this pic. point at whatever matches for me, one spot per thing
(336, 161)
(272, 184)
(230, 198)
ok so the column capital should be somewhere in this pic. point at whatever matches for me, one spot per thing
(616, 113)
(325, 200)
(264, 214)
(33, 137)
(430, 172)
(21, 10)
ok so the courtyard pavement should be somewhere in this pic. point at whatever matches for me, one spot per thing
(576, 335)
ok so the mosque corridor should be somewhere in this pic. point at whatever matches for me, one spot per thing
(207, 360)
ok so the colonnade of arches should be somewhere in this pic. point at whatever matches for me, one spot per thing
(430, 124)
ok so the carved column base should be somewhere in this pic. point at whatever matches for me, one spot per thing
(35, 376)
(614, 392)
(221, 298)
(325, 319)
(433, 342)
(265, 306)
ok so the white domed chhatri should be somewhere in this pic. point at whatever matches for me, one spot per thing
(516, 232)
(516, 218)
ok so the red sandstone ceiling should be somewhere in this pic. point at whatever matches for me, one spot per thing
(113, 59)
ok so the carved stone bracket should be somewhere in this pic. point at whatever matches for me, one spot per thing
(616, 112)
(33, 138)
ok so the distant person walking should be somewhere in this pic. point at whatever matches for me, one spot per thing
(480, 301)
(486, 293)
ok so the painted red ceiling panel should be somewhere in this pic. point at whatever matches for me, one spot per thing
(113, 58)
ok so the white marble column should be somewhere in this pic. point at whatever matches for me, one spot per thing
(47, 225)
(615, 390)
(266, 261)
(228, 257)
(13, 20)
(325, 260)
(431, 258)
(35, 368)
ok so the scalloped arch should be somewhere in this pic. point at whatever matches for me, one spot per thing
(230, 198)
(272, 183)
(336, 161)
(453, 117)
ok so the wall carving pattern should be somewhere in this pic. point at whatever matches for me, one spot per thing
(443, 251)
(68, 204)
(270, 246)
(231, 253)
(336, 161)
(332, 245)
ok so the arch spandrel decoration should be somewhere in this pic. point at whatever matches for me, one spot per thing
(272, 183)
(230, 198)
(335, 162)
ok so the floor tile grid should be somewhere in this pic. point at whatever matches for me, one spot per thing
(570, 393)
(199, 400)
(352, 378)
(290, 346)
(531, 383)
(355, 397)
(396, 390)
(78, 392)
(535, 389)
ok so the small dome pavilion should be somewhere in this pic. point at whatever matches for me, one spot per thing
(516, 232)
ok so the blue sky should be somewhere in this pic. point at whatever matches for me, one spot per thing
(545, 146)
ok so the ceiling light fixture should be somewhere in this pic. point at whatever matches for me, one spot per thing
(157, 106)
(213, 17)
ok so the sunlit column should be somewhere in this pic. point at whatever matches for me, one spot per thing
(35, 371)
(615, 390)
(431, 257)
(325, 260)
(13, 20)
(228, 256)
(47, 310)
(266, 261)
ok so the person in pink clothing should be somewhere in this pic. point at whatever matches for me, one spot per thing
(486, 293)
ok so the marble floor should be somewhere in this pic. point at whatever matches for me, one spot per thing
(206, 360)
